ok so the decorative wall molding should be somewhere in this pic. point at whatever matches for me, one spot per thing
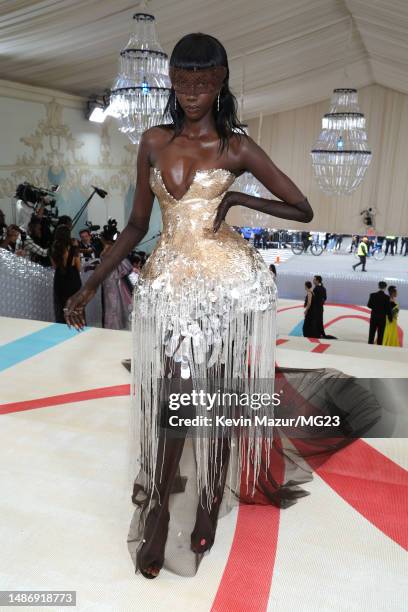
(54, 152)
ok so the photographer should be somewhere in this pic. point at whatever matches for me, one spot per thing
(86, 246)
(30, 243)
(65, 260)
(117, 294)
(25, 212)
(11, 237)
(36, 203)
(30, 201)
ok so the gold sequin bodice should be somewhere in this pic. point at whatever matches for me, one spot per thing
(188, 248)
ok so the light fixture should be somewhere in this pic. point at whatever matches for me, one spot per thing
(140, 92)
(96, 111)
(341, 155)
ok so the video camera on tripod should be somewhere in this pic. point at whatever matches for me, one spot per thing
(30, 199)
(37, 195)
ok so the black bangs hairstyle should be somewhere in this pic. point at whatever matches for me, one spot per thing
(204, 51)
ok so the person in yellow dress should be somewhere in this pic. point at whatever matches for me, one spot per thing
(391, 327)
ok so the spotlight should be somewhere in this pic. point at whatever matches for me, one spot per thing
(96, 111)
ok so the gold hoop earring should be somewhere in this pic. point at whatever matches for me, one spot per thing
(218, 102)
(175, 102)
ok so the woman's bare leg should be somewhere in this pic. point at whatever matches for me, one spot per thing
(203, 535)
(150, 557)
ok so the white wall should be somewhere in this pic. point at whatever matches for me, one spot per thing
(45, 138)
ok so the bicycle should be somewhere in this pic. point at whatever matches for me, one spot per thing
(298, 248)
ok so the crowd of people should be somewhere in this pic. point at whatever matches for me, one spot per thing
(72, 259)
(328, 241)
(266, 238)
(394, 245)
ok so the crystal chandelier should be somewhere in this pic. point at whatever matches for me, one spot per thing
(140, 92)
(340, 156)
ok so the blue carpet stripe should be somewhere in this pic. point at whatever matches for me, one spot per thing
(298, 329)
(32, 344)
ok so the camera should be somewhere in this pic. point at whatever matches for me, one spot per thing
(110, 230)
(368, 217)
(29, 198)
(30, 194)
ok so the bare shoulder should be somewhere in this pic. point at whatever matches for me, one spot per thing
(155, 138)
(245, 144)
(242, 147)
(157, 135)
(237, 143)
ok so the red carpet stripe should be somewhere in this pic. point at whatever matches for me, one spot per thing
(246, 582)
(320, 348)
(67, 398)
(350, 307)
(372, 484)
(340, 317)
(247, 578)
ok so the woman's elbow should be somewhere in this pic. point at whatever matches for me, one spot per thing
(308, 213)
(309, 216)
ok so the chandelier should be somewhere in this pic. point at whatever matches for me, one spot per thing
(340, 156)
(140, 92)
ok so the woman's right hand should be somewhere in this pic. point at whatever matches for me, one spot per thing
(74, 311)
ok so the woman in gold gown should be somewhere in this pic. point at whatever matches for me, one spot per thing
(204, 319)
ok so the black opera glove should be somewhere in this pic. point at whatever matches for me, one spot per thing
(231, 198)
(300, 211)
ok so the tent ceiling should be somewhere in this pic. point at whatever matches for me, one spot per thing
(296, 51)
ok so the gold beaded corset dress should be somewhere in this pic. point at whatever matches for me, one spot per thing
(206, 300)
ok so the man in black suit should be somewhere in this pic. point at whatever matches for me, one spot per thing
(379, 302)
(320, 296)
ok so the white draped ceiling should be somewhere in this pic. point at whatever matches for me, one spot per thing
(296, 51)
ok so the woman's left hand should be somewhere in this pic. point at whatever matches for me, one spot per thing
(231, 198)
